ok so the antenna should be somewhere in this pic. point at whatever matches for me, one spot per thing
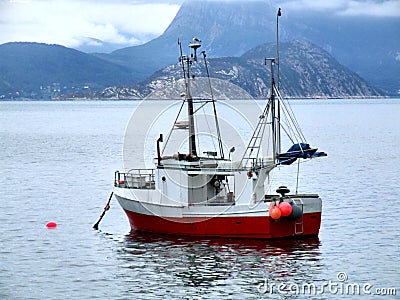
(278, 62)
(195, 45)
(188, 97)
(277, 43)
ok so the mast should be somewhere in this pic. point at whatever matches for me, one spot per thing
(277, 44)
(192, 132)
(273, 106)
(275, 99)
(278, 129)
(186, 63)
(189, 98)
(186, 72)
(274, 122)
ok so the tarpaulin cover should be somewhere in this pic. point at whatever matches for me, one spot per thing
(299, 150)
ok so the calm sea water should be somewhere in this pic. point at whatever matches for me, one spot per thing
(57, 162)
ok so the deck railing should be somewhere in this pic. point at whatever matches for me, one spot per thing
(135, 179)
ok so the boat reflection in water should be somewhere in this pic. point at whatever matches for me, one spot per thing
(155, 264)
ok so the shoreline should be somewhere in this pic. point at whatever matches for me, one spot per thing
(322, 98)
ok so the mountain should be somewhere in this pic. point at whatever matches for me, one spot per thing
(227, 28)
(368, 45)
(306, 71)
(39, 70)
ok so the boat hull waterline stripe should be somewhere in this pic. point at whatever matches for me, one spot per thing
(262, 227)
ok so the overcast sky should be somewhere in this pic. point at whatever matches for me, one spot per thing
(130, 22)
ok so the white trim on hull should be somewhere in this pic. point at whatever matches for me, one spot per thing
(172, 209)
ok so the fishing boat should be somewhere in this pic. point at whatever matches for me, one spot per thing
(209, 194)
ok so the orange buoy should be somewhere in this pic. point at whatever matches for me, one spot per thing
(286, 209)
(275, 212)
(51, 225)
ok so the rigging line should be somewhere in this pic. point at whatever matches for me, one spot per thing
(257, 137)
(297, 177)
(298, 128)
(209, 128)
(294, 121)
(221, 148)
(290, 114)
(288, 135)
(293, 134)
(196, 120)
(256, 134)
(282, 89)
(200, 107)
(269, 146)
(183, 102)
(252, 143)
(172, 129)
(182, 63)
(262, 132)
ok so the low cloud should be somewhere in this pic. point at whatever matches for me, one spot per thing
(73, 23)
(70, 22)
(384, 8)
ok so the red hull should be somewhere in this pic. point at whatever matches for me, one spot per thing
(236, 227)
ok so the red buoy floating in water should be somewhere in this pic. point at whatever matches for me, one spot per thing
(51, 225)
(275, 212)
(286, 209)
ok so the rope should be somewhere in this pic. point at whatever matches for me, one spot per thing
(106, 208)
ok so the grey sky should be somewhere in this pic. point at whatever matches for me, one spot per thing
(129, 22)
